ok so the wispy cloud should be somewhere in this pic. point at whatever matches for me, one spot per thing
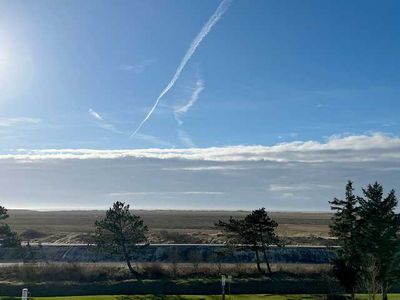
(153, 140)
(297, 187)
(210, 168)
(102, 123)
(181, 110)
(95, 115)
(196, 42)
(112, 128)
(121, 194)
(10, 122)
(106, 125)
(137, 68)
(185, 139)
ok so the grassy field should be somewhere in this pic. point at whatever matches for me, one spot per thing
(200, 297)
(165, 226)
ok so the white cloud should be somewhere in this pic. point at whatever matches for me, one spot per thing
(357, 148)
(10, 122)
(95, 115)
(101, 122)
(291, 176)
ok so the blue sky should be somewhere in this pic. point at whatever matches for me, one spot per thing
(84, 75)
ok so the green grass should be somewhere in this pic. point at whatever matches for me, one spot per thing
(198, 297)
(185, 297)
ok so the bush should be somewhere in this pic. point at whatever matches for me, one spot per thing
(178, 238)
(154, 271)
(62, 272)
(32, 234)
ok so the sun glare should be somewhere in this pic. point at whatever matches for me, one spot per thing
(15, 66)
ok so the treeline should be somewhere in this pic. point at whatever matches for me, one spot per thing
(367, 229)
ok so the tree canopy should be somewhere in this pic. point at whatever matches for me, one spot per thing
(120, 232)
(256, 231)
(8, 238)
(367, 229)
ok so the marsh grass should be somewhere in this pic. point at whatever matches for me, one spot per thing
(96, 272)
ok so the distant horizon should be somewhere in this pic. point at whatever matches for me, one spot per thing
(166, 210)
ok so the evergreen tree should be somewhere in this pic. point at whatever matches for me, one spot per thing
(256, 232)
(379, 227)
(344, 227)
(120, 232)
(8, 238)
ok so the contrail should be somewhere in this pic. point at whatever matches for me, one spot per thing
(196, 42)
(179, 111)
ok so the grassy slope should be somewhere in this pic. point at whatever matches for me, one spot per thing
(65, 225)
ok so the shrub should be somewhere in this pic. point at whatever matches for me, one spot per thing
(32, 234)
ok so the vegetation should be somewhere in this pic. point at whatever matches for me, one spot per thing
(32, 234)
(8, 239)
(256, 232)
(201, 297)
(367, 230)
(79, 272)
(345, 228)
(120, 232)
(297, 228)
(379, 228)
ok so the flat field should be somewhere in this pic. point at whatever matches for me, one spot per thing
(166, 226)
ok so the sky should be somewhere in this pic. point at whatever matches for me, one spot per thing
(200, 104)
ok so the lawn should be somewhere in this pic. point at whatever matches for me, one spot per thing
(198, 297)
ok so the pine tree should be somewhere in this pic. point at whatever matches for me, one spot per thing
(256, 232)
(379, 226)
(8, 238)
(344, 227)
(120, 232)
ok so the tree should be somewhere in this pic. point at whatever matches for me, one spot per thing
(8, 238)
(120, 232)
(256, 232)
(195, 258)
(369, 277)
(379, 227)
(344, 227)
(173, 256)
